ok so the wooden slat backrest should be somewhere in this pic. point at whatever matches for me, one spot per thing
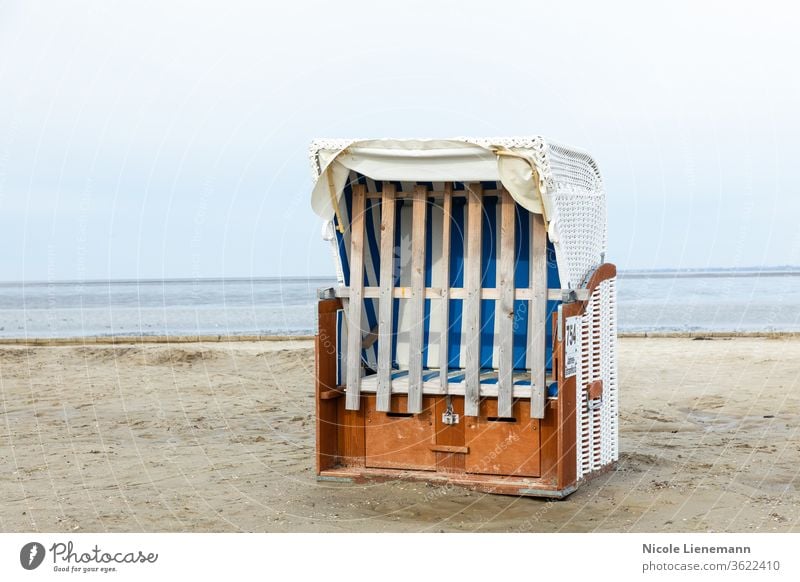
(472, 293)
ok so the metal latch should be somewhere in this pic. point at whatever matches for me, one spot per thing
(448, 416)
(594, 394)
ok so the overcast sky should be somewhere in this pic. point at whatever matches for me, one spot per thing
(165, 139)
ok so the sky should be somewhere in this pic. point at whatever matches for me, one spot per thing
(169, 139)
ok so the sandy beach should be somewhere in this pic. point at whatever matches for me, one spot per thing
(219, 436)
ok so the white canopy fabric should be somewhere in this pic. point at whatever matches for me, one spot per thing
(561, 183)
(426, 161)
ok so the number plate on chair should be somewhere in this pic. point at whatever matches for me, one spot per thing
(572, 340)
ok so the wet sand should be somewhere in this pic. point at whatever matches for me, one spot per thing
(220, 436)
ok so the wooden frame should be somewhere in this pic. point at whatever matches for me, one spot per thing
(510, 439)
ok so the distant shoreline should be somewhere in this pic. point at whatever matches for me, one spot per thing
(786, 271)
(704, 274)
(178, 339)
(95, 282)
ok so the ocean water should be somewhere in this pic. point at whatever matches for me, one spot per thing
(711, 301)
(696, 301)
(169, 307)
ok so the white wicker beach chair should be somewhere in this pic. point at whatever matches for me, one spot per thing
(472, 334)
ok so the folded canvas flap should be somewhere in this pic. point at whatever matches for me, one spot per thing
(427, 161)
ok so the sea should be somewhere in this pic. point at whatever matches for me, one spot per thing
(648, 301)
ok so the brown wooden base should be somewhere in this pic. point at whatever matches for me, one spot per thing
(497, 485)
(509, 455)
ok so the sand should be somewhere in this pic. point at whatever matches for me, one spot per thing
(219, 437)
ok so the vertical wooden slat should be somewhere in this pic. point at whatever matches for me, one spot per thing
(325, 361)
(550, 433)
(505, 326)
(444, 356)
(566, 412)
(418, 225)
(355, 307)
(538, 311)
(384, 394)
(342, 363)
(471, 317)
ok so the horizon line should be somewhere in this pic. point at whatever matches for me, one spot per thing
(773, 271)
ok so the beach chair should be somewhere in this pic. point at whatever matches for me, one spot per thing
(471, 338)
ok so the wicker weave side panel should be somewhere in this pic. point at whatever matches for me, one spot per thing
(608, 295)
(598, 427)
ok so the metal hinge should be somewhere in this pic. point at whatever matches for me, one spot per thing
(326, 293)
(559, 322)
(569, 296)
